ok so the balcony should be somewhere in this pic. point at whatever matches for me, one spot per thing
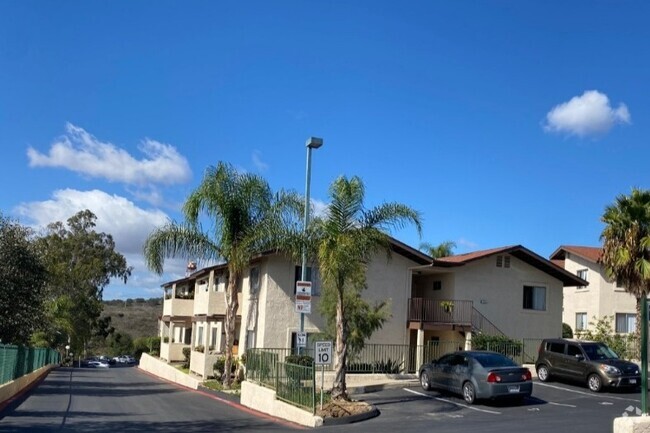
(178, 307)
(441, 314)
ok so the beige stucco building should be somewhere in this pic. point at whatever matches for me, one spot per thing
(510, 291)
(601, 297)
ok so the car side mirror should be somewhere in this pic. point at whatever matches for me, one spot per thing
(580, 357)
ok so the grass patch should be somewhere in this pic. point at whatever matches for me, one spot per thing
(183, 369)
(216, 385)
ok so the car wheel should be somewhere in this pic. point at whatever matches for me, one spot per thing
(542, 373)
(425, 381)
(469, 395)
(595, 383)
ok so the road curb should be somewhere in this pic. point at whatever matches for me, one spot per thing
(364, 389)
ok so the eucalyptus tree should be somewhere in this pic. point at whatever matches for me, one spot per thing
(345, 240)
(626, 257)
(22, 283)
(443, 249)
(245, 219)
(80, 262)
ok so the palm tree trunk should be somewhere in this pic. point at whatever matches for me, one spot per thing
(232, 303)
(339, 388)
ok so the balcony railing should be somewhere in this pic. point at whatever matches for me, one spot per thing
(440, 311)
(450, 312)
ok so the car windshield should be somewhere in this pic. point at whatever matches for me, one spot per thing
(598, 351)
(489, 360)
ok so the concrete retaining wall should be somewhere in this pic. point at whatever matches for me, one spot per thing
(10, 389)
(264, 400)
(161, 369)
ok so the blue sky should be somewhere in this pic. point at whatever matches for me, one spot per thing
(502, 122)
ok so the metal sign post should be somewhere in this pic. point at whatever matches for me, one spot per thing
(323, 357)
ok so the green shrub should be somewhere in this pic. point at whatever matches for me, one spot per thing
(220, 365)
(567, 332)
(497, 343)
(304, 360)
(187, 352)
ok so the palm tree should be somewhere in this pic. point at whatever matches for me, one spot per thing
(345, 241)
(626, 242)
(244, 215)
(443, 249)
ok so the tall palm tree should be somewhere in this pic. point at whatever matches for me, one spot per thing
(626, 242)
(345, 240)
(443, 249)
(244, 215)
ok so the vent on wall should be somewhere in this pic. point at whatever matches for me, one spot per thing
(437, 285)
(503, 261)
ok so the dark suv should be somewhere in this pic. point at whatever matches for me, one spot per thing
(586, 361)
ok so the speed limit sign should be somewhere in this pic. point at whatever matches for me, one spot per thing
(323, 352)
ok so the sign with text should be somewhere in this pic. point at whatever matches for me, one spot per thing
(303, 288)
(303, 306)
(323, 353)
(302, 339)
(303, 297)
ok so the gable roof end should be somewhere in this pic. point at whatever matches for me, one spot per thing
(523, 254)
(593, 254)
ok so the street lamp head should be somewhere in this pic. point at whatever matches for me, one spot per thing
(314, 142)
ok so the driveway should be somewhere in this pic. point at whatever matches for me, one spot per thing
(553, 406)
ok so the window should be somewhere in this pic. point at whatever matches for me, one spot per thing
(573, 350)
(254, 280)
(437, 285)
(581, 321)
(199, 337)
(315, 281)
(535, 298)
(250, 340)
(582, 273)
(555, 347)
(625, 323)
(213, 337)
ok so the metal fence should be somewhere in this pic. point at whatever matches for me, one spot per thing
(292, 383)
(17, 361)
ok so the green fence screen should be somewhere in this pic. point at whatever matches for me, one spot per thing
(17, 361)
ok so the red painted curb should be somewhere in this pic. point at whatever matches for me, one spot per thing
(241, 407)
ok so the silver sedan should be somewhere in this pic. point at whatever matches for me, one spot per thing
(477, 375)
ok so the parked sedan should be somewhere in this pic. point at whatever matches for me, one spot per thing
(477, 375)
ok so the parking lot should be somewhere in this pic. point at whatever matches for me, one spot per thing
(554, 406)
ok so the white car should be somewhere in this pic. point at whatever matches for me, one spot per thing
(98, 364)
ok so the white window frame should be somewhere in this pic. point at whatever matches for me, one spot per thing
(629, 320)
(580, 273)
(538, 296)
(581, 322)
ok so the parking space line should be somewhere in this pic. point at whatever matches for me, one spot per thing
(561, 404)
(452, 402)
(588, 394)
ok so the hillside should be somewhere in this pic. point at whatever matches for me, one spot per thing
(136, 317)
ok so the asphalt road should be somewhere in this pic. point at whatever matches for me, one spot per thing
(553, 407)
(124, 400)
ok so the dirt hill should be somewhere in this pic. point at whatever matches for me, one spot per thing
(136, 317)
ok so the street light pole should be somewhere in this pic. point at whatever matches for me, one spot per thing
(312, 143)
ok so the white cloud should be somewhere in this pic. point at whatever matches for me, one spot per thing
(258, 163)
(81, 152)
(128, 224)
(466, 244)
(319, 208)
(587, 115)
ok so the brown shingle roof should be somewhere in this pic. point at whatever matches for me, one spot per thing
(592, 254)
(520, 252)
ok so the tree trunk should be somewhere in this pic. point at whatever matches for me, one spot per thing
(339, 388)
(232, 303)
